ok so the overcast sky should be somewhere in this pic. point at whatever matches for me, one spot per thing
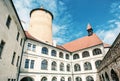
(72, 16)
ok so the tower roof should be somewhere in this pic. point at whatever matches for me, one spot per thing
(41, 8)
(89, 26)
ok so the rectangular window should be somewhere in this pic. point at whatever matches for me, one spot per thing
(21, 42)
(32, 64)
(2, 44)
(8, 21)
(8, 79)
(17, 36)
(27, 63)
(13, 58)
(17, 61)
(33, 47)
(29, 46)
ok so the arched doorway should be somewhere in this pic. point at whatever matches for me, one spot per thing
(114, 75)
(27, 79)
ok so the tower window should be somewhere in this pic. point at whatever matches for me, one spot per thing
(29, 46)
(85, 54)
(8, 21)
(17, 60)
(33, 47)
(97, 51)
(44, 50)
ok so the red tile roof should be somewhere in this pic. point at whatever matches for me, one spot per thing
(30, 36)
(106, 45)
(83, 43)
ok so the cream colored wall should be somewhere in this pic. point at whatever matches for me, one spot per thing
(8, 35)
(41, 26)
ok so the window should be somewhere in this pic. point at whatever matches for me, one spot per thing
(87, 66)
(8, 21)
(8, 79)
(44, 50)
(68, 67)
(17, 36)
(13, 58)
(27, 63)
(114, 76)
(44, 65)
(2, 44)
(75, 56)
(62, 79)
(61, 67)
(97, 51)
(32, 64)
(53, 53)
(21, 42)
(89, 78)
(61, 55)
(69, 79)
(17, 61)
(33, 47)
(44, 79)
(67, 56)
(54, 65)
(77, 67)
(78, 79)
(54, 79)
(107, 77)
(29, 46)
(97, 63)
(85, 54)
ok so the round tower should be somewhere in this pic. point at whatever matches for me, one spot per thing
(41, 25)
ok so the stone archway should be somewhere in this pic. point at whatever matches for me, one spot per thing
(114, 75)
(27, 79)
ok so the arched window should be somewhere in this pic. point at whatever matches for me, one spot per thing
(89, 78)
(75, 56)
(44, 79)
(69, 79)
(54, 65)
(26, 79)
(85, 54)
(97, 63)
(61, 67)
(44, 65)
(77, 67)
(44, 50)
(54, 79)
(53, 53)
(107, 77)
(103, 77)
(61, 55)
(78, 79)
(114, 75)
(87, 66)
(67, 56)
(97, 51)
(62, 79)
(68, 67)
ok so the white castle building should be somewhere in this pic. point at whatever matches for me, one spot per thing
(43, 60)
(33, 56)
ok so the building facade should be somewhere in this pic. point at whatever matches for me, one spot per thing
(11, 41)
(109, 70)
(44, 61)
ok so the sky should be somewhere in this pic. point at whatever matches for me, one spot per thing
(72, 16)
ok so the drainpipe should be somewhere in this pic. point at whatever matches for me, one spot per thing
(21, 59)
